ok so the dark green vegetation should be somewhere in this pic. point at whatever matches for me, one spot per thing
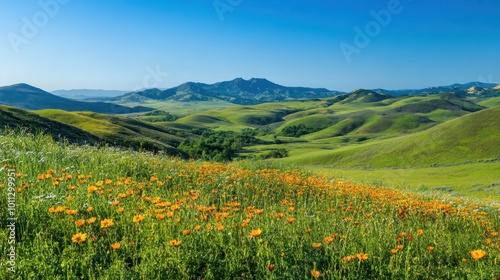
(31, 98)
(218, 145)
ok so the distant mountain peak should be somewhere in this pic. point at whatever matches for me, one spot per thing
(23, 87)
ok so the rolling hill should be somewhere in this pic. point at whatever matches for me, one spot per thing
(360, 113)
(31, 98)
(237, 91)
(15, 118)
(121, 131)
(470, 138)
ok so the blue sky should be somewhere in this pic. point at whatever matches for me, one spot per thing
(339, 45)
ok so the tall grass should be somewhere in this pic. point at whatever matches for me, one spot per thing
(105, 213)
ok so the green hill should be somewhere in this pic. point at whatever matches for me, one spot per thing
(121, 131)
(469, 138)
(14, 118)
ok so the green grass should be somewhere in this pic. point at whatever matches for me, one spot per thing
(341, 230)
(477, 180)
(491, 102)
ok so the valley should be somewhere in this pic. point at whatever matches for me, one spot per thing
(365, 135)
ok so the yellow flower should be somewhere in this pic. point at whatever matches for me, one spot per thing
(477, 254)
(79, 238)
(174, 243)
(197, 228)
(91, 220)
(430, 248)
(315, 273)
(186, 232)
(290, 220)
(107, 223)
(420, 231)
(115, 246)
(255, 232)
(270, 267)
(71, 212)
(138, 218)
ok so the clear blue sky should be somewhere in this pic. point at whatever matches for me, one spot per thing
(65, 44)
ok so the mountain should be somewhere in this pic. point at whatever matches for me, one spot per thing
(31, 98)
(82, 94)
(237, 91)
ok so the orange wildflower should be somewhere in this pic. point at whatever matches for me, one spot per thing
(255, 232)
(138, 218)
(477, 254)
(80, 222)
(107, 223)
(79, 238)
(115, 246)
(315, 273)
(362, 256)
(174, 243)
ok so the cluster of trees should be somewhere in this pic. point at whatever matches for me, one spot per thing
(161, 116)
(217, 145)
(275, 153)
(297, 130)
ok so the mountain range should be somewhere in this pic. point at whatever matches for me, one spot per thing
(31, 98)
(82, 94)
(238, 91)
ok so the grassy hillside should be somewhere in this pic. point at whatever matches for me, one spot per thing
(469, 138)
(14, 118)
(120, 131)
(101, 213)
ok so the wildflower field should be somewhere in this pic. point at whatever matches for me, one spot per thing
(101, 213)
